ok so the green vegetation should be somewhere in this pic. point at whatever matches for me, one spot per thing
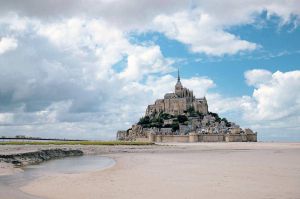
(192, 113)
(168, 126)
(156, 120)
(175, 126)
(182, 118)
(148, 122)
(76, 143)
(226, 122)
(216, 116)
(166, 116)
(144, 120)
(218, 119)
(200, 115)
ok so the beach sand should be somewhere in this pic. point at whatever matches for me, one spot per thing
(202, 170)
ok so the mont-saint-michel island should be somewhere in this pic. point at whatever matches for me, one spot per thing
(149, 99)
(181, 117)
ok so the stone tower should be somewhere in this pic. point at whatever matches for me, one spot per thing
(178, 86)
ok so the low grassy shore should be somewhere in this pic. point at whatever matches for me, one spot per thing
(76, 143)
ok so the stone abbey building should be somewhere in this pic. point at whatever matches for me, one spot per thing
(181, 117)
(178, 102)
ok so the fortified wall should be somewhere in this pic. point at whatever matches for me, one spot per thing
(248, 136)
(195, 137)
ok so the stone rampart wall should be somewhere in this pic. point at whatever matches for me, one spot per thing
(142, 139)
(211, 138)
(252, 137)
(193, 137)
(235, 138)
(171, 138)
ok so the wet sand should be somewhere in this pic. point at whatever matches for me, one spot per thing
(202, 170)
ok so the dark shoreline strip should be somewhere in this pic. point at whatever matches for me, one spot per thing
(22, 159)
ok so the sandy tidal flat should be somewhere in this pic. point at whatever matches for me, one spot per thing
(204, 170)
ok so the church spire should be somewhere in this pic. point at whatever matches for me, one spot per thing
(178, 76)
(178, 86)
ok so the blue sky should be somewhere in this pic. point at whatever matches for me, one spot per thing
(86, 70)
(280, 50)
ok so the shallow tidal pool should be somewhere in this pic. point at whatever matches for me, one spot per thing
(69, 165)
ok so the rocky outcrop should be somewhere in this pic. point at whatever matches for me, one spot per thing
(22, 159)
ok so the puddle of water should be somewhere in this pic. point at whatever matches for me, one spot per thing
(67, 165)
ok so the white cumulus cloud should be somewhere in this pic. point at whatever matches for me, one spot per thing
(257, 76)
(7, 44)
(200, 32)
(277, 97)
(273, 107)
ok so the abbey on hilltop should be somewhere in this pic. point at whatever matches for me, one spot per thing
(181, 117)
(179, 102)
